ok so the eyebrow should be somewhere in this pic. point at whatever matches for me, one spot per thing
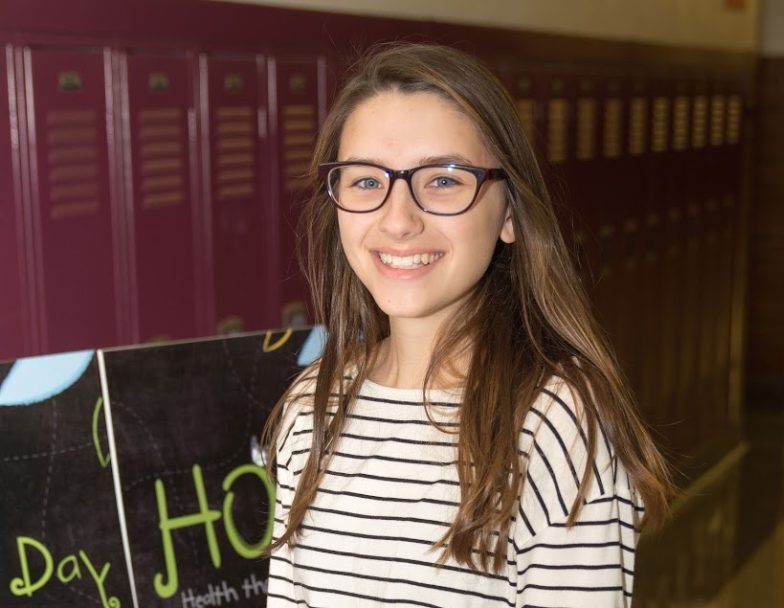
(428, 160)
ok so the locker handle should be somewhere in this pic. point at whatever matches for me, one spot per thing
(158, 81)
(69, 81)
(233, 83)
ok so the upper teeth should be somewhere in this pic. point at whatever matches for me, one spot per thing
(409, 261)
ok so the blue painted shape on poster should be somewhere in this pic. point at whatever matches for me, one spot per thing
(35, 379)
(313, 347)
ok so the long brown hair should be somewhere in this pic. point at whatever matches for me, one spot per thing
(527, 320)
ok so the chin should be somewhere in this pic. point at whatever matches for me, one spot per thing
(400, 310)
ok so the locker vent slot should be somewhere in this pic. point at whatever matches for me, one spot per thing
(72, 171)
(717, 120)
(699, 121)
(586, 131)
(660, 126)
(525, 109)
(557, 114)
(680, 123)
(637, 115)
(734, 114)
(299, 127)
(161, 153)
(613, 112)
(235, 138)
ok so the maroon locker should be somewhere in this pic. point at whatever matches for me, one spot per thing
(725, 163)
(70, 206)
(610, 205)
(585, 176)
(160, 129)
(563, 91)
(710, 259)
(628, 212)
(245, 283)
(732, 162)
(13, 339)
(528, 89)
(657, 164)
(297, 103)
(675, 198)
(694, 283)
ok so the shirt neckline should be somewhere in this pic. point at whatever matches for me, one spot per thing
(374, 389)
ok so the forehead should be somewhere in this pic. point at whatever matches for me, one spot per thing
(401, 130)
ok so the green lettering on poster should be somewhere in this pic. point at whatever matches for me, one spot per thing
(206, 517)
(248, 551)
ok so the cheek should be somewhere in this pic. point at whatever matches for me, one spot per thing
(350, 238)
(480, 235)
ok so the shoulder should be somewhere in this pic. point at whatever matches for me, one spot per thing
(297, 403)
(558, 415)
(556, 404)
(563, 442)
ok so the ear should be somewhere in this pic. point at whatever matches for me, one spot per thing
(507, 234)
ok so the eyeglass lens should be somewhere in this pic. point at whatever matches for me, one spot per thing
(440, 189)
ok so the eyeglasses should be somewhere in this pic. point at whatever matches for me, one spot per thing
(443, 189)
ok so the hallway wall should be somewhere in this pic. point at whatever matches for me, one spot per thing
(729, 24)
(766, 277)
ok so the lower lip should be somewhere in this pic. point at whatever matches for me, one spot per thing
(403, 273)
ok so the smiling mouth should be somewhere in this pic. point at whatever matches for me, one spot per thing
(410, 261)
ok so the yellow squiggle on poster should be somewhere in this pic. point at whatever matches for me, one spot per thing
(268, 348)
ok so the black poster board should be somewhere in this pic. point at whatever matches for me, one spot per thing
(145, 463)
(60, 540)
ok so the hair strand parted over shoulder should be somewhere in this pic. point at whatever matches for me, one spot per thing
(527, 320)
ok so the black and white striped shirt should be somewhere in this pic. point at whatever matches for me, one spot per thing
(391, 491)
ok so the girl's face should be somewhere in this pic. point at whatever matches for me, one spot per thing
(402, 131)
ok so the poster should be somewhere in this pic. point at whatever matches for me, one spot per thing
(60, 542)
(134, 477)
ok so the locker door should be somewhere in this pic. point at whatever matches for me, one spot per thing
(690, 395)
(297, 94)
(69, 198)
(610, 207)
(244, 284)
(556, 99)
(732, 163)
(653, 195)
(585, 185)
(675, 199)
(714, 261)
(12, 321)
(627, 213)
(159, 106)
(529, 90)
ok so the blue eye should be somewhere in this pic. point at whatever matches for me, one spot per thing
(368, 183)
(444, 182)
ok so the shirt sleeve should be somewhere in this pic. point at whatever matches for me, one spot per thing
(284, 484)
(297, 408)
(592, 562)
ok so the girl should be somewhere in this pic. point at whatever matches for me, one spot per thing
(466, 437)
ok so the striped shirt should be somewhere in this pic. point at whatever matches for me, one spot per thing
(392, 490)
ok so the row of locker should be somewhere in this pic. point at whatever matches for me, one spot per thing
(153, 196)
(147, 196)
(651, 189)
(666, 293)
(614, 126)
(659, 244)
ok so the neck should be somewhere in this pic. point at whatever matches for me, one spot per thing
(404, 357)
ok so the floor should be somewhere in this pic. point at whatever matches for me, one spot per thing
(724, 547)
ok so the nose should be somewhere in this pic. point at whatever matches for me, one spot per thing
(401, 217)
